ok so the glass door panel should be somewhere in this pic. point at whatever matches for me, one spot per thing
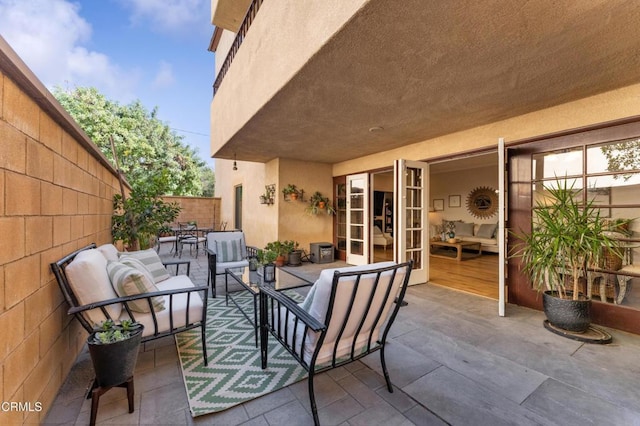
(411, 181)
(357, 219)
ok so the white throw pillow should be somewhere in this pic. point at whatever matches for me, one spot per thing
(464, 229)
(88, 278)
(152, 261)
(128, 281)
(486, 230)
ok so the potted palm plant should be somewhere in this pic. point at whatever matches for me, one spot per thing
(567, 238)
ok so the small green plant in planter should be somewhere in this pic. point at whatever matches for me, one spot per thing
(264, 256)
(291, 192)
(567, 238)
(319, 203)
(281, 250)
(110, 332)
(114, 351)
(295, 255)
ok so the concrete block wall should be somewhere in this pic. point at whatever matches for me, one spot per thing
(203, 210)
(55, 197)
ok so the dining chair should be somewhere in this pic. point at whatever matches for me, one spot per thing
(189, 234)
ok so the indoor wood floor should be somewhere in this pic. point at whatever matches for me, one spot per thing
(477, 276)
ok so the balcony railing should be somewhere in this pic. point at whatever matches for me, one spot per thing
(242, 31)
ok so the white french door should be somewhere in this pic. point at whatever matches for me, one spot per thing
(502, 194)
(358, 219)
(411, 209)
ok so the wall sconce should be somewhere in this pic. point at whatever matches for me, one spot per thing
(235, 165)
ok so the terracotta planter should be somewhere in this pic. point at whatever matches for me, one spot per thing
(280, 260)
(293, 196)
(321, 205)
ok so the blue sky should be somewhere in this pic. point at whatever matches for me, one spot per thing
(152, 50)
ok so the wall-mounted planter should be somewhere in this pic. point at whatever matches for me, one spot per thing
(268, 197)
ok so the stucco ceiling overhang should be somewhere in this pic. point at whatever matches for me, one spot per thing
(421, 69)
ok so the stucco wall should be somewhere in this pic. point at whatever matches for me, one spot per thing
(284, 220)
(295, 45)
(55, 197)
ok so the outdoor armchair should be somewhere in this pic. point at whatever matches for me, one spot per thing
(346, 315)
(226, 249)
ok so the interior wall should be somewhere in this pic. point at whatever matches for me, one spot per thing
(461, 183)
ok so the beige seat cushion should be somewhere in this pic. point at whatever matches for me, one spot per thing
(88, 278)
(179, 307)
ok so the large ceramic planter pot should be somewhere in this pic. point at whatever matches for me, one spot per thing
(567, 314)
(295, 258)
(114, 363)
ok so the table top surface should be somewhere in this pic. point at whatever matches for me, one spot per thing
(284, 279)
(460, 243)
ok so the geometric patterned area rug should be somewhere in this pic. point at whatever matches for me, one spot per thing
(234, 374)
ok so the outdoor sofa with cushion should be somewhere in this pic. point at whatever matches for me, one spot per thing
(101, 283)
(346, 315)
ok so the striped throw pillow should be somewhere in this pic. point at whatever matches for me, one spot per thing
(152, 261)
(137, 264)
(128, 281)
(229, 250)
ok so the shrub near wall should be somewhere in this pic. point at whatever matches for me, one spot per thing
(55, 196)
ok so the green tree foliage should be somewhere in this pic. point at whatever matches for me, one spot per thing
(145, 145)
(623, 155)
(208, 179)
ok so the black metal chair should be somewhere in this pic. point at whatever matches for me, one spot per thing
(340, 321)
(218, 267)
(190, 235)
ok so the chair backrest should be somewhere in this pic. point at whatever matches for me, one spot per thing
(212, 237)
(354, 302)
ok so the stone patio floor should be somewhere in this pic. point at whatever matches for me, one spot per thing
(452, 360)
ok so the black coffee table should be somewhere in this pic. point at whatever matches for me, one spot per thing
(251, 282)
